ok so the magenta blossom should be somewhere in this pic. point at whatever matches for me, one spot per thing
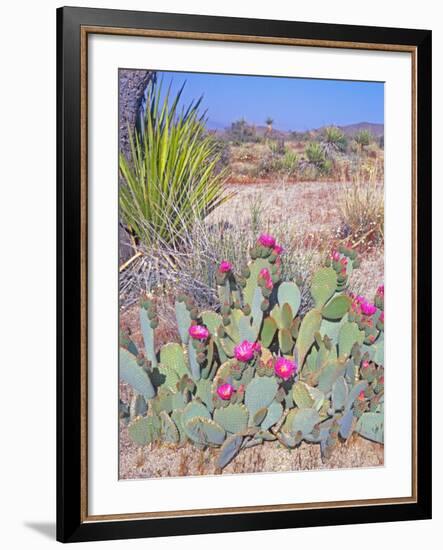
(335, 256)
(361, 305)
(264, 274)
(225, 267)
(365, 364)
(277, 249)
(245, 351)
(198, 332)
(381, 290)
(367, 308)
(284, 368)
(225, 391)
(361, 395)
(266, 240)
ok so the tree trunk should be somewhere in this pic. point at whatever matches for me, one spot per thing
(132, 86)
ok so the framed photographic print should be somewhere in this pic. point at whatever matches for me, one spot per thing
(244, 218)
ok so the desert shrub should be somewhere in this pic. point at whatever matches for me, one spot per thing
(363, 137)
(316, 163)
(333, 141)
(300, 136)
(242, 132)
(361, 207)
(173, 169)
(258, 370)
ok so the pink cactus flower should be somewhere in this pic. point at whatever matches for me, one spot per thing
(284, 368)
(361, 395)
(225, 267)
(381, 290)
(198, 332)
(344, 261)
(266, 240)
(365, 364)
(277, 249)
(225, 391)
(367, 308)
(257, 347)
(335, 256)
(245, 351)
(264, 274)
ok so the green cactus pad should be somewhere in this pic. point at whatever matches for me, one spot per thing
(285, 341)
(205, 431)
(348, 336)
(169, 430)
(144, 430)
(268, 331)
(171, 377)
(346, 423)
(301, 395)
(138, 406)
(355, 392)
(173, 356)
(260, 393)
(275, 412)
(376, 350)
(251, 284)
(339, 394)
(332, 328)
(178, 401)
(229, 450)
(204, 392)
(336, 308)
(134, 375)
(246, 331)
(233, 418)
(176, 416)
(212, 321)
(259, 416)
(286, 316)
(371, 426)
(183, 320)
(148, 336)
(329, 374)
(304, 421)
(194, 409)
(194, 365)
(309, 326)
(289, 293)
(324, 283)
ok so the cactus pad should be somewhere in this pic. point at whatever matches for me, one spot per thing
(335, 309)
(229, 450)
(233, 418)
(289, 293)
(309, 326)
(134, 375)
(324, 283)
(260, 393)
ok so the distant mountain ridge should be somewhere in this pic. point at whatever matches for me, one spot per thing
(377, 129)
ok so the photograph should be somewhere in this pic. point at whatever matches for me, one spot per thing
(250, 274)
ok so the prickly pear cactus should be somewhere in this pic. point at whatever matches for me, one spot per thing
(255, 370)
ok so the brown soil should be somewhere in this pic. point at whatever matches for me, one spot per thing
(162, 460)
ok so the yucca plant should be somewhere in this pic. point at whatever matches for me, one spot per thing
(173, 168)
(333, 140)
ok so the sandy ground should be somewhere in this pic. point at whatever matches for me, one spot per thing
(161, 460)
(311, 211)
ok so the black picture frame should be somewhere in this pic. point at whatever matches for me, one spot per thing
(72, 525)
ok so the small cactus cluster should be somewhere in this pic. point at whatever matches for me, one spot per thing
(255, 370)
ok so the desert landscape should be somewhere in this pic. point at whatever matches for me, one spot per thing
(319, 194)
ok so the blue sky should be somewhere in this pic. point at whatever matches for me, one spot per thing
(293, 103)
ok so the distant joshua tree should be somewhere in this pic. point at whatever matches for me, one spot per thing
(269, 122)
